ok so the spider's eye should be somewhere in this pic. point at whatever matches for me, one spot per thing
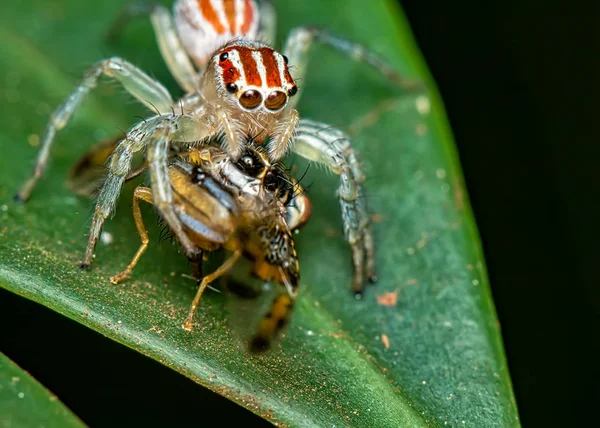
(223, 56)
(251, 99)
(276, 100)
(293, 91)
(285, 59)
(231, 88)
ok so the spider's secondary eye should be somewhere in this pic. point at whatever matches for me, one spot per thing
(223, 56)
(285, 59)
(231, 88)
(293, 91)
(251, 99)
(276, 100)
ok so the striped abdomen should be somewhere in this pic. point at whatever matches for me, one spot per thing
(206, 25)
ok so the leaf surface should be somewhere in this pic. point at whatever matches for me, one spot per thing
(422, 348)
(24, 402)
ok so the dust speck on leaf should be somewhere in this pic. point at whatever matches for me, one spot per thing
(388, 299)
(385, 340)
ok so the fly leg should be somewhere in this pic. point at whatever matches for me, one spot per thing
(221, 270)
(144, 194)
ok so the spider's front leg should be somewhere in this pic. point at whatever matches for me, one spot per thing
(155, 135)
(136, 82)
(329, 146)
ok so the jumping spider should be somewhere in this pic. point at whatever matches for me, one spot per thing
(244, 87)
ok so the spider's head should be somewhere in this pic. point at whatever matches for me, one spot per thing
(254, 76)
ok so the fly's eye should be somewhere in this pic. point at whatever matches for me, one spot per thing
(293, 91)
(271, 181)
(231, 88)
(251, 99)
(250, 164)
(276, 100)
(248, 161)
(285, 59)
(223, 56)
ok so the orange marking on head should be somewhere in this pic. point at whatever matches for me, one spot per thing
(248, 17)
(250, 69)
(288, 76)
(268, 57)
(210, 14)
(229, 7)
(229, 72)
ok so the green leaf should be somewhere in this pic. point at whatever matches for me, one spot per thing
(26, 403)
(422, 348)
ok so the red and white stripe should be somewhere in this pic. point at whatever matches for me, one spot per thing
(206, 25)
(254, 66)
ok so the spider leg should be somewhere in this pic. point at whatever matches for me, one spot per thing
(144, 194)
(169, 43)
(135, 81)
(329, 146)
(267, 25)
(155, 135)
(301, 39)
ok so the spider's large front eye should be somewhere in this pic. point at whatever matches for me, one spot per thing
(276, 100)
(251, 99)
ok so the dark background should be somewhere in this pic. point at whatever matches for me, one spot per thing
(519, 81)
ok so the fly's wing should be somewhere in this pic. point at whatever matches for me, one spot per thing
(88, 174)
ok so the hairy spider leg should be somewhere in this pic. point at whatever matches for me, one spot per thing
(136, 82)
(198, 29)
(301, 39)
(155, 135)
(331, 147)
(169, 43)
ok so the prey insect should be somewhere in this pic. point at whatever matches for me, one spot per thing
(247, 207)
(241, 86)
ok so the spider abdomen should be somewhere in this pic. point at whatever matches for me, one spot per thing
(205, 25)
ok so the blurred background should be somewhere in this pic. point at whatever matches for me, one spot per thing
(520, 83)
